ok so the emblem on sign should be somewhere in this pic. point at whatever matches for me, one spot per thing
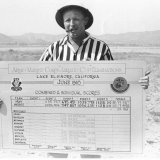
(120, 85)
(16, 85)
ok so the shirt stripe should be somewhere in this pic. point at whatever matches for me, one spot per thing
(83, 50)
(91, 49)
(97, 50)
(68, 53)
(64, 53)
(79, 53)
(86, 50)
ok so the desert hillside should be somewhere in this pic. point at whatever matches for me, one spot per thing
(148, 38)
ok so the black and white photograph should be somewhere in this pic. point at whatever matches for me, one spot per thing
(80, 79)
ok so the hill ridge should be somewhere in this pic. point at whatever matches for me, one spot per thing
(146, 38)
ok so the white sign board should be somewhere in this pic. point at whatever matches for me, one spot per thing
(73, 106)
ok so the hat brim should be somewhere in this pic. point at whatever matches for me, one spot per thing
(86, 12)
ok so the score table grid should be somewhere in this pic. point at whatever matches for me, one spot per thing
(72, 131)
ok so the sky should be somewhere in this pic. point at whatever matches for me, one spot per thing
(110, 16)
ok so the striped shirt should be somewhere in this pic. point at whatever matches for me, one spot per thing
(91, 49)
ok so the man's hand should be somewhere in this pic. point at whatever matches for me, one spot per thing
(144, 81)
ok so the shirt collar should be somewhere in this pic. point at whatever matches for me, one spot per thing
(66, 39)
(88, 36)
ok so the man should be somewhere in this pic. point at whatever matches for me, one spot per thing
(79, 45)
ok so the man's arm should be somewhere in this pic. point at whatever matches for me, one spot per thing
(107, 56)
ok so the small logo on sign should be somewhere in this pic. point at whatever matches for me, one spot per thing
(16, 85)
(120, 85)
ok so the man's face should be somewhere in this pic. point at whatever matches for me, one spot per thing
(74, 23)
